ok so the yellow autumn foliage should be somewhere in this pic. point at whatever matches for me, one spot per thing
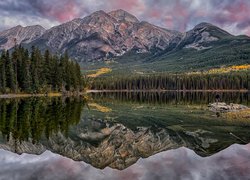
(224, 69)
(100, 72)
(239, 115)
(99, 107)
(241, 67)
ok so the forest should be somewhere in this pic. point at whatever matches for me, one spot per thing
(37, 72)
(221, 81)
(24, 71)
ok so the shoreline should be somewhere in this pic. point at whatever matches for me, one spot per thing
(25, 95)
(156, 90)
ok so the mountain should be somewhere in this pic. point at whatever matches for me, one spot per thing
(201, 36)
(118, 40)
(204, 47)
(104, 35)
(20, 35)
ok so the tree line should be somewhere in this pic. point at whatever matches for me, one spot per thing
(37, 72)
(225, 81)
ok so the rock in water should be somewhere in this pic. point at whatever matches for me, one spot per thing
(223, 107)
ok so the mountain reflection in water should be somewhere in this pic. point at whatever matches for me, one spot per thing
(116, 129)
(182, 163)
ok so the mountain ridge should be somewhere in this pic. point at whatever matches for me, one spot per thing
(101, 36)
(19, 34)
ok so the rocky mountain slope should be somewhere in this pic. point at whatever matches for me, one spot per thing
(19, 35)
(201, 36)
(104, 35)
(98, 36)
(127, 41)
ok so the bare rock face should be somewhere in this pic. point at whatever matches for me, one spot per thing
(202, 36)
(104, 35)
(20, 35)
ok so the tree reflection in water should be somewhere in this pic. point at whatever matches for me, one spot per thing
(133, 125)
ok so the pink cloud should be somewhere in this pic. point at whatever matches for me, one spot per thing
(169, 21)
(155, 13)
(238, 12)
(248, 32)
(67, 11)
(233, 15)
(127, 5)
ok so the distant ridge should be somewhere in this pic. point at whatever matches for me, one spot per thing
(119, 35)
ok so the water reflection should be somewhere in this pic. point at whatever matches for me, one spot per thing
(182, 163)
(35, 118)
(176, 97)
(115, 130)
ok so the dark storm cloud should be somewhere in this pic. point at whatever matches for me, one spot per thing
(232, 15)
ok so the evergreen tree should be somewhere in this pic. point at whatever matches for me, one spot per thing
(38, 73)
(47, 70)
(10, 74)
(26, 74)
(3, 73)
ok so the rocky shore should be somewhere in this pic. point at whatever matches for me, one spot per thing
(224, 108)
(231, 111)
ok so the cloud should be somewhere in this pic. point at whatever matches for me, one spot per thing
(61, 11)
(8, 22)
(182, 163)
(181, 15)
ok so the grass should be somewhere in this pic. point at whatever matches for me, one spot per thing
(99, 107)
(54, 94)
(223, 70)
(100, 72)
(25, 95)
(231, 52)
(239, 115)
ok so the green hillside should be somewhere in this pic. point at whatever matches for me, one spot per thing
(225, 52)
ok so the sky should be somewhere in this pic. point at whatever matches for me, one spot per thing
(181, 15)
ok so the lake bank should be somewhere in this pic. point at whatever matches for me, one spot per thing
(9, 96)
(156, 90)
(26, 95)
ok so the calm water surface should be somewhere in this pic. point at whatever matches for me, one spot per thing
(115, 130)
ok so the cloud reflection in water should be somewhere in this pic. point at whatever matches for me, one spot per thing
(182, 163)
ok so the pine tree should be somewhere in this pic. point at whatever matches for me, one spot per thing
(34, 70)
(57, 74)
(37, 72)
(3, 73)
(26, 74)
(10, 73)
(47, 69)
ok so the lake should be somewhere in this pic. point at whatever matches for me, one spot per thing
(114, 134)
